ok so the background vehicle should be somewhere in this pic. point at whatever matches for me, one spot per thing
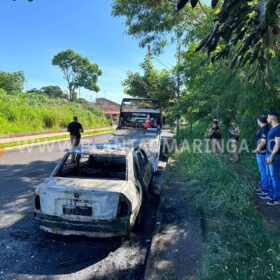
(131, 129)
(99, 194)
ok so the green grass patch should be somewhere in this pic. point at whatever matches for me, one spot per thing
(30, 112)
(239, 243)
(45, 139)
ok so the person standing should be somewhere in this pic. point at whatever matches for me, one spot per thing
(147, 123)
(260, 151)
(234, 140)
(215, 137)
(75, 129)
(273, 160)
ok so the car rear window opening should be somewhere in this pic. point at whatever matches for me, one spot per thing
(95, 166)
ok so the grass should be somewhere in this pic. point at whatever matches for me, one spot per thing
(45, 139)
(238, 242)
(30, 112)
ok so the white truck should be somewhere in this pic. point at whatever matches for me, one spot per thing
(140, 124)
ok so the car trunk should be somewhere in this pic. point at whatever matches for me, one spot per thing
(80, 199)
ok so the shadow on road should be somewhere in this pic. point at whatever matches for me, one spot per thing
(26, 250)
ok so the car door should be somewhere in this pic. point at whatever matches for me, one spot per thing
(138, 177)
(147, 168)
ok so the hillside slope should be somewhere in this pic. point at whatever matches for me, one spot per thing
(27, 112)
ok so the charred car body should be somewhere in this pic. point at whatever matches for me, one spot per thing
(99, 194)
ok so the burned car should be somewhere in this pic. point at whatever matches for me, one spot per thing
(96, 191)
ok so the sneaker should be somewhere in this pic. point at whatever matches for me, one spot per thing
(273, 202)
(262, 193)
(266, 197)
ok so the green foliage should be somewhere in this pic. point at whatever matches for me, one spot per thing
(198, 130)
(50, 91)
(156, 24)
(54, 92)
(78, 72)
(33, 112)
(209, 90)
(12, 82)
(244, 30)
(239, 244)
(151, 84)
(218, 92)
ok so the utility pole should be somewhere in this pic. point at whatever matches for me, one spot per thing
(178, 80)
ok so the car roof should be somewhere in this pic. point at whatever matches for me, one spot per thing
(117, 149)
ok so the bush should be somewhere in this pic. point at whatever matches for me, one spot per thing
(34, 112)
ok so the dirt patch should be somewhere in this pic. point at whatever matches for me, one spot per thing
(271, 215)
(177, 247)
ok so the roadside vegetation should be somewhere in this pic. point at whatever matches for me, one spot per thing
(239, 244)
(33, 112)
(220, 71)
(50, 108)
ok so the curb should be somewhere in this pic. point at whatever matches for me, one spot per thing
(156, 230)
(8, 138)
(17, 148)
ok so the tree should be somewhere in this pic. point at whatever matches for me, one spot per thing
(151, 83)
(156, 24)
(250, 31)
(78, 72)
(247, 32)
(35, 91)
(12, 82)
(54, 92)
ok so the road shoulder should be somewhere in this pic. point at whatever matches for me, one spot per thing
(38, 140)
(176, 247)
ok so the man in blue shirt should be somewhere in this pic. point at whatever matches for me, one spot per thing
(260, 151)
(273, 160)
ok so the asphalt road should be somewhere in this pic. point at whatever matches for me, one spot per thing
(28, 253)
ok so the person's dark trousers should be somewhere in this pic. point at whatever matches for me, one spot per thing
(274, 176)
(263, 168)
(75, 141)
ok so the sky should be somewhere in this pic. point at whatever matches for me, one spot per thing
(32, 33)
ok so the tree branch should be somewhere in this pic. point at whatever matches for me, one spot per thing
(202, 8)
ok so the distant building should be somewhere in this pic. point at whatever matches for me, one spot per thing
(110, 108)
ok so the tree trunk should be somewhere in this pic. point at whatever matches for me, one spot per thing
(72, 93)
(178, 78)
(191, 125)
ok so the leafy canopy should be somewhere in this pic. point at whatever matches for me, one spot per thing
(78, 71)
(247, 30)
(151, 83)
(12, 82)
